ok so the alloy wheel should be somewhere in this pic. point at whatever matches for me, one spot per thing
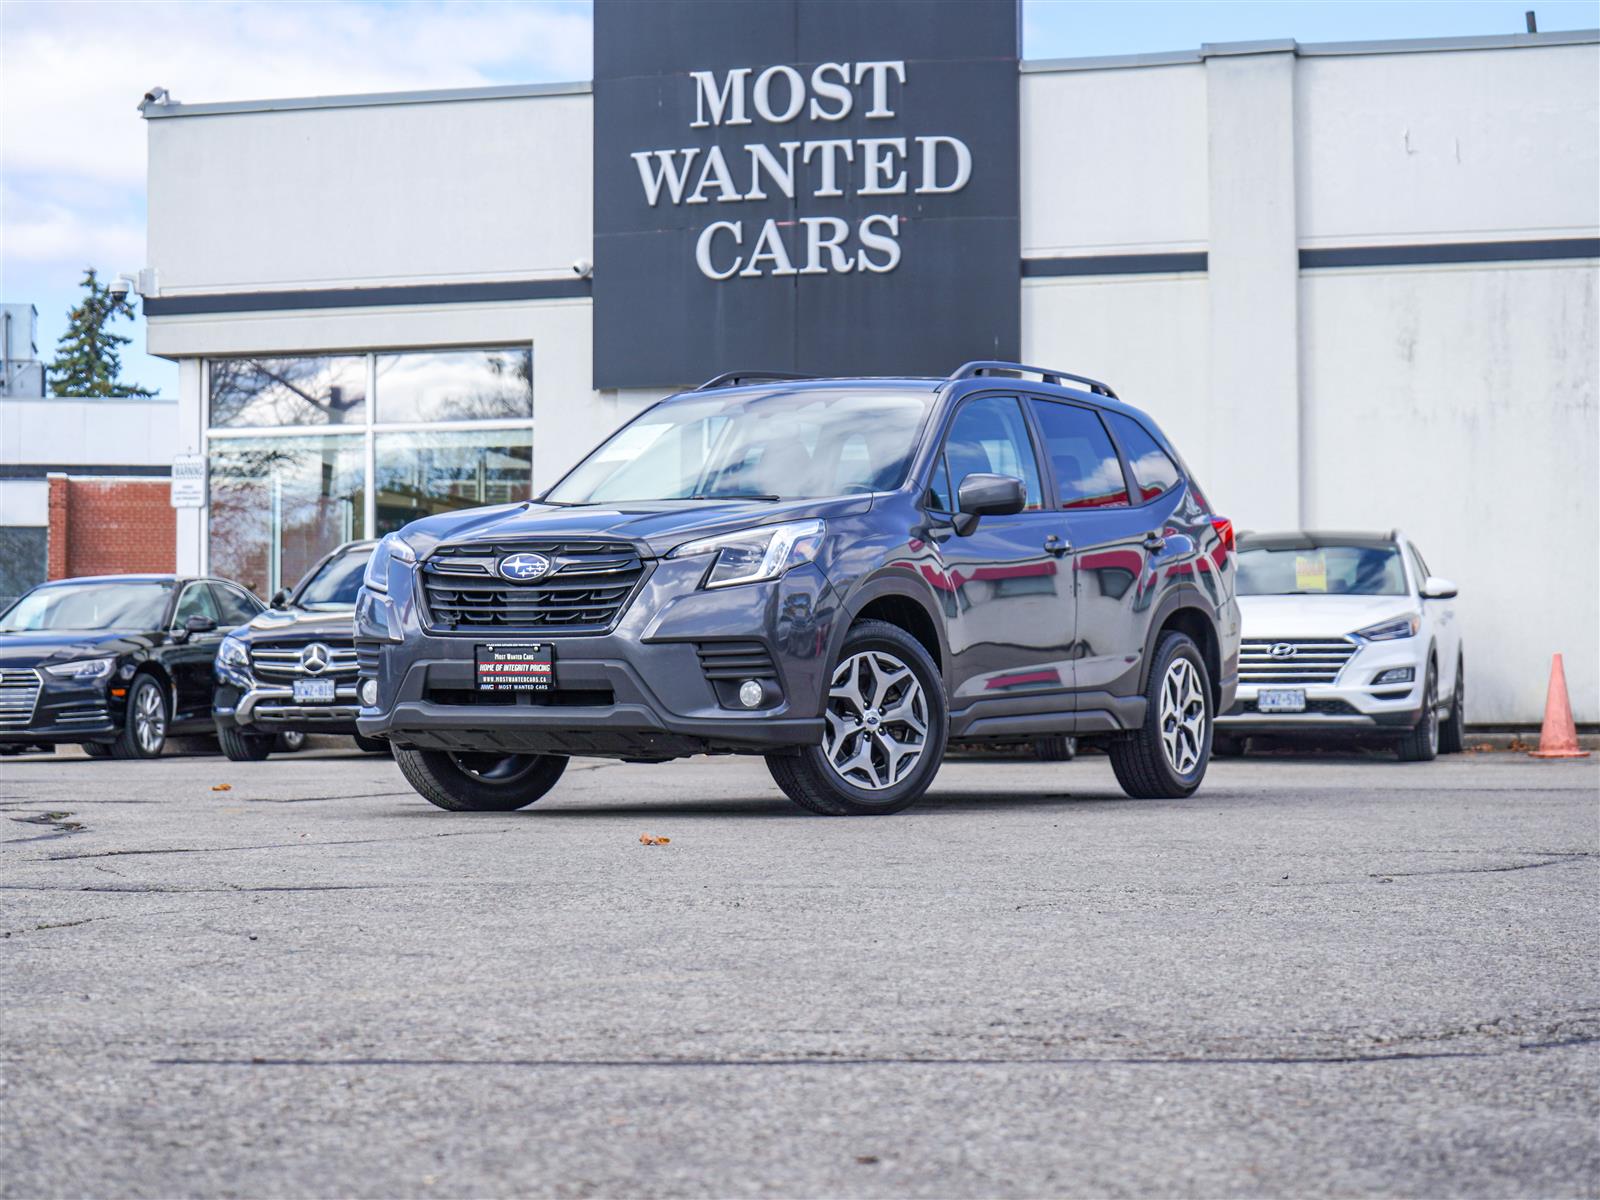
(149, 719)
(877, 721)
(1183, 716)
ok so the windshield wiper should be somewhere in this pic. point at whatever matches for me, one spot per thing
(733, 496)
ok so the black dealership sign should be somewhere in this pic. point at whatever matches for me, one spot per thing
(821, 186)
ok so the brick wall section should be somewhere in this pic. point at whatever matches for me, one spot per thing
(110, 526)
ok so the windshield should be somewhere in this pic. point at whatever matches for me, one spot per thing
(1312, 570)
(801, 444)
(336, 582)
(89, 606)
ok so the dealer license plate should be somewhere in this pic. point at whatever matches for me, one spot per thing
(1290, 700)
(516, 667)
(313, 691)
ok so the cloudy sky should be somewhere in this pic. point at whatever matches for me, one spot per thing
(72, 145)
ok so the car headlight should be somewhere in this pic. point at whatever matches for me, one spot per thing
(233, 653)
(89, 668)
(393, 546)
(751, 555)
(1388, 631)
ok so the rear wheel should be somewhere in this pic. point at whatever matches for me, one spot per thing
(1422, 743)
(241, 746)
(97, 749)
(1453, 733)
(1166, 757)
(1226, 745)
(472, 782)
(144, 727)
(290, 741)
(372, 745)
(884, 732)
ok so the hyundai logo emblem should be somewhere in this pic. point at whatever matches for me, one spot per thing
(1282, 650)
(523, 568)
(314, 659)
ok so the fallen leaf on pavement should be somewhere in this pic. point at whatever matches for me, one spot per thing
(222, 787)
(650, 839)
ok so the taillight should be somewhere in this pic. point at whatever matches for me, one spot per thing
(1224, 528)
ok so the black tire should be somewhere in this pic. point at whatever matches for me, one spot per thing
(290, 741)
(1058, 747)
(146, 721)
(241, 746)
(1453, 732)
(1226, 745)
(1421, 744)
(97, 749)
(812, 781)
(1141, 759)
(463, 782)
(373, 745)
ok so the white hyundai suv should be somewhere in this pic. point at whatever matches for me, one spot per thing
(1346, 634)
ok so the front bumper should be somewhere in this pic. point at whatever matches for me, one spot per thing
(640, 690)
(66, 710)
(1352, 704)
(273, 707)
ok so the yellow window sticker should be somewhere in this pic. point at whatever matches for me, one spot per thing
(1310, 573)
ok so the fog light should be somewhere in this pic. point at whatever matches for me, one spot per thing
(1396, 675)
(751, 693)
(369, 693)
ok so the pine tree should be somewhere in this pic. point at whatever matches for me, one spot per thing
(88, 361)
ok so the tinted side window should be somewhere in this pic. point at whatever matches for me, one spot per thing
(939, 496)
(196, 602)
(989, 436)
(1153, 471)
(1088, 472)
(236, 607)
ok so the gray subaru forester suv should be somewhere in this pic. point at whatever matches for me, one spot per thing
(837, 574)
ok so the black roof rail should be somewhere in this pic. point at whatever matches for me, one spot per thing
(972, 370)
(736, 378)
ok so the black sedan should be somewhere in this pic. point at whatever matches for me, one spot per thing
(114, 662)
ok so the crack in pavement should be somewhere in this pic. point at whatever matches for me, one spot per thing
(1274, 1060)
(1560, 857)
(262, 846)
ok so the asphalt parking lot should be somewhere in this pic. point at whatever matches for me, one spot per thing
(1316, 977)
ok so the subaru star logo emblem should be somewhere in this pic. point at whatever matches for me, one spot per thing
(314, 659)
(1282, 650)
(523, 568)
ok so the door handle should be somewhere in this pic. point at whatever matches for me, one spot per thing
(1056, 546)
(1154, 541)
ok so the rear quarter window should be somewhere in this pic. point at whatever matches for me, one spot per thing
(1153, 471)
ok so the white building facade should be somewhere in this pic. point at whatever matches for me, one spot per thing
(1356, 284)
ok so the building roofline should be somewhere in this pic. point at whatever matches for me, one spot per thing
(153, 110)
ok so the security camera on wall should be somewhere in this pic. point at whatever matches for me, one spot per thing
(583, 268)
(120, 286)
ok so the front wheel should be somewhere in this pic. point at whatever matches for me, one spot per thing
(1453, 733)
(241, 746)
(1059, 747)
(144, 727)
(479, 782)
(1422, 743)
(885, 724)
(1166, 757)
(372, 745)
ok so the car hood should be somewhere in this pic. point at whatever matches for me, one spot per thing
(1317, 616)
(332, 625)
(64, 645)
(659, 524)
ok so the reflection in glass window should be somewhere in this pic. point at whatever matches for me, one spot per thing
(455, 385)
(1306, 567)
(989, 437)
(289, 391)
(1153, 471)
(1088, 471)
(280, 504)
(420, 474)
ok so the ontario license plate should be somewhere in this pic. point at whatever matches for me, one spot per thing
(313, 691)
(1289, 700)
(516, 667)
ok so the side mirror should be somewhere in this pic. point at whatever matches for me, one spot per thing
(280, 599)
(199, 624)
(985, 495)
(1434, 588)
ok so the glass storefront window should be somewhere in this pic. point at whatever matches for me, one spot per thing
(420, 474)
(455, 385)
(289, 391)
(279, 504)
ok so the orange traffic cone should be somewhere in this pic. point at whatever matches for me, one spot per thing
(1558, 737)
